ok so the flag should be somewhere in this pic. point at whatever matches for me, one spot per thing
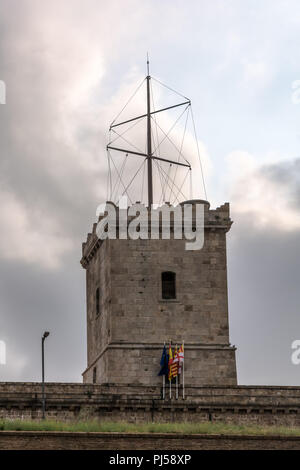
(180, 356)
(173, 364)
(170, 362)
(164, 362)
(175, 358)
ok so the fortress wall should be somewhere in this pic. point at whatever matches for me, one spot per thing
(237, 404)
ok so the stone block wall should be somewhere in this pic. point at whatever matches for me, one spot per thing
(125, 341)
(203, 365)
(139, 403)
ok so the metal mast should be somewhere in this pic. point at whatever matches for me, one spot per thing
(149, 155)
(149, 143)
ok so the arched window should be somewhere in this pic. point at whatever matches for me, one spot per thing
(168, 285)
(97, 301)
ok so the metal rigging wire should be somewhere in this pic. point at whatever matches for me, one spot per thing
(127, 141)
(132, 96)
(198, 151)
(143, 180)
(171, 142)
(118, 180)
(182, 185)
(166, 135)
(169, 88)
(157, 146)
(180, 152)
(167, 183)
(124, 132)
(127, 187)
(120, 176)
(162, 170)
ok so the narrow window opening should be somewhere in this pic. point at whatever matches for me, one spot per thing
(94, 375)
(168, 284)
(97, 301)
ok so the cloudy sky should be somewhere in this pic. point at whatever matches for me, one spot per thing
(69, 66)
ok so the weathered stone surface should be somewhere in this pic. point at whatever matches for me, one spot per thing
(125, 341)
(139, 403)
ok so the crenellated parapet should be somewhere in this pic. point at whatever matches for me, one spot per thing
(159, 218)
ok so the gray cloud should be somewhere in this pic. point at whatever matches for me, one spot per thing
(63, 67)
(286, 175)
(264, 279)
(33, 300)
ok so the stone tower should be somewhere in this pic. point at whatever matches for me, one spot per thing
(142, 293)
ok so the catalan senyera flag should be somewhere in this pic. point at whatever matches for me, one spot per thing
(180, 356)
(173, 363)
(175, 358)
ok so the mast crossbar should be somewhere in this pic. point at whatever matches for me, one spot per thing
(145, 115)
(152, 156)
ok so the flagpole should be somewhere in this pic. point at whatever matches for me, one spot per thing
(164, 379)
(177, 378)
(171, 376)
(183, 371)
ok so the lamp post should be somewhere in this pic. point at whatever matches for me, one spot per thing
(43, 374)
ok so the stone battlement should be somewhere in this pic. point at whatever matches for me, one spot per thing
(218, 218)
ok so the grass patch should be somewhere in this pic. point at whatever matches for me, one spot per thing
(180, 428)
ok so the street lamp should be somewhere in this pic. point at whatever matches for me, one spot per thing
(43, 375)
